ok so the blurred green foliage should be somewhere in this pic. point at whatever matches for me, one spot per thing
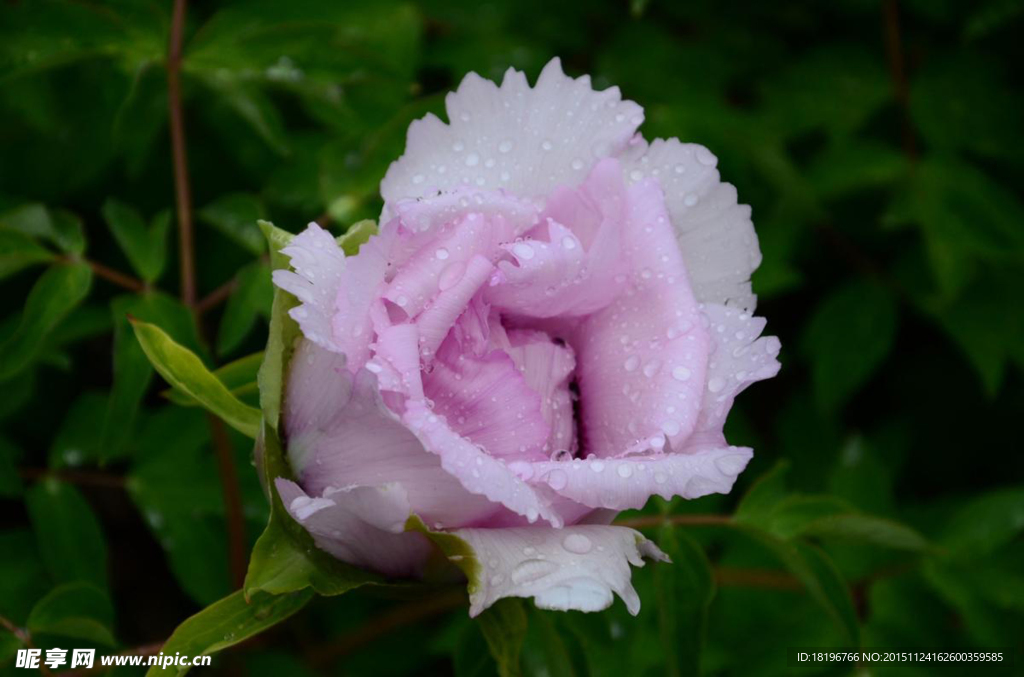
(880, 146)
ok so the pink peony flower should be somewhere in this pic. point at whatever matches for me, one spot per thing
(550, 328)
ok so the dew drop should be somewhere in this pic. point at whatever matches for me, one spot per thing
(441, 253)
(418, 178)
(577, 544)
(505, 146)
(632, 362)
(577, 163)
(569, 242)
(691, 200)
(706, 157)
(652, 368)
(716, 384)
(681, 373)
(557, 479)
(625, 470)
(523, 251)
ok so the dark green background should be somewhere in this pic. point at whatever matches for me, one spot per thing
(879, 144)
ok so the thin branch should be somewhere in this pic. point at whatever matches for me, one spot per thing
(898, 72)
(232, 499)
(400, 617)
(650, 521)
(181, 184)
(79, 477)
(25, 637)
(756, 578)
(217, 296)
(116, 277)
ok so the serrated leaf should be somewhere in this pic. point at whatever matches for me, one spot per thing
(849, 335)
(54, 295)
(145, 247)
(77, 611)
(230, 621)
(70, 539)
(182, 369)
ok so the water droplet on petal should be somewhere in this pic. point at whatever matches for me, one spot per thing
(625, 470)
(441, 253)
(577, 544)
(523, 251)
(681, 373)
(716, 384)
(632, 362)
(569, 242)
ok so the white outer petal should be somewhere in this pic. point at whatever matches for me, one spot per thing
(318, 264)
(521, 139)
(575, 568)
(715, 232)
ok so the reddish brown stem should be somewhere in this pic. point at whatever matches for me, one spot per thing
(181, 183)
(897, 70)
(118, 278)
(216, 297)
(232, 499)
(648, 521)
(756, 578)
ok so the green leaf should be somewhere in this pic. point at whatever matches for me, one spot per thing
(54, 295)
(986, 523)
(866, 529)
(238, 376)
(764, 495)
(684, 593)
(820, 578)
(19, 251)
(504, 628)
(132, 370)
(835, 88)
(175, 485)
(964, 216)
(854, 166)
(964, 101)
(252, 298)
(849, 335)
(78, 438)
(230, 621)
(62, 228)
(23, 579)
(75, 610)
(282, 332)
(145, 247)
(182, 369)
(236, 215)
(70, 539)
